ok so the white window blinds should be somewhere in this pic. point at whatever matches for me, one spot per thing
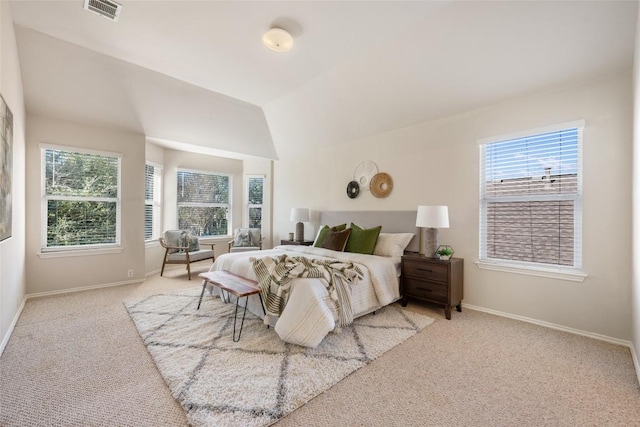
(152, 201)
(204, 203)
(530, 198)
(255, 196)
(81, 198)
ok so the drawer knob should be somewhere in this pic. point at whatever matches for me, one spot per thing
(425, 269)
(424, 289)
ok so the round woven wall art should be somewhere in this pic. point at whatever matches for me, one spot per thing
(353, 189)
(363, 174)
(381, 185)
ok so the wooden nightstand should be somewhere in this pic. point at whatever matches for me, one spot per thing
(432, 280)
(295, 242)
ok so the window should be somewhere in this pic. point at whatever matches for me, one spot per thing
(152, 201)
(255, 194)
(81, 198)
(530, 199)
(204, 203)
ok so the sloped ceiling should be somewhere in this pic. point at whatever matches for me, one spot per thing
(63, 80)
(196, 73)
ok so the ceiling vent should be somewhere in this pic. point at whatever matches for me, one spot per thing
(108, 9)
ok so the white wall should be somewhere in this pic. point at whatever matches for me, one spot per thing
(153, 252)
(12, 259)
(635, 302)
(438, 162)
(70, 272)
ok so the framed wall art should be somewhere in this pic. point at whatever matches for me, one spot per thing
(6, 168)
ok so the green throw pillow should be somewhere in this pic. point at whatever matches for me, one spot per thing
(362, 241)
(322, 233)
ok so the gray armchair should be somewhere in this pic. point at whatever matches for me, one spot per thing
(181, 247)
(246, 239)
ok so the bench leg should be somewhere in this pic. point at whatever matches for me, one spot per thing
(235, 318)
(226, 297)
(204, 286)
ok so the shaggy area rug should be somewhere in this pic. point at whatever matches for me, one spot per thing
(259, 379)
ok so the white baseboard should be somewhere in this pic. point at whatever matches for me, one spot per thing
(5, 339)
(83, 288)
(152, 272)
(554, 326)
(634, 356)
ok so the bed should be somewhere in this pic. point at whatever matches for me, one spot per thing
(310, 312)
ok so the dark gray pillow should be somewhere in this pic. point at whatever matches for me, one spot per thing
(187, 239)
(243, 238)
(172, 238)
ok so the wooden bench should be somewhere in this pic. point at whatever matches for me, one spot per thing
(235, 285)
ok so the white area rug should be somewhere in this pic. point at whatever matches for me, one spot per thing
(259, 379)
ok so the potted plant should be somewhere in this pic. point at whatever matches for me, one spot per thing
(444, 252)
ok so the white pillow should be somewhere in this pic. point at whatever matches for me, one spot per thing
(392, 244)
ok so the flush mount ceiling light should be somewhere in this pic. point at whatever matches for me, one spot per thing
(278, 39)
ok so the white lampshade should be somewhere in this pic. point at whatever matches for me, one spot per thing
(433, 217)
(299, 214)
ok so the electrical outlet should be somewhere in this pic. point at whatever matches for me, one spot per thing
(130, 273)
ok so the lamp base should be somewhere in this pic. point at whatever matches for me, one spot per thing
(430, 242)
(299, 232)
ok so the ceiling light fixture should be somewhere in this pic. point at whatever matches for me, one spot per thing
(278, 39)
(107, 8)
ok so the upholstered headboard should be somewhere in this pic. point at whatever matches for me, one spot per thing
(391, 222)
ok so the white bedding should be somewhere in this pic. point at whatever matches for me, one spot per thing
(310, 313)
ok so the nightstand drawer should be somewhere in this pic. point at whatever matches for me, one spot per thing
(428, 290)
(423, 270)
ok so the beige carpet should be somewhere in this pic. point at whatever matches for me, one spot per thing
(258, 379)
(77, 360)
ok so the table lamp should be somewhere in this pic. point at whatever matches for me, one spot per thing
(300, 215)
(431, 218)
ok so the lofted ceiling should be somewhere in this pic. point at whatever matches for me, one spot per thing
(195, 73)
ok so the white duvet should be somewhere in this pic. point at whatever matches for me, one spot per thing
(310, 313)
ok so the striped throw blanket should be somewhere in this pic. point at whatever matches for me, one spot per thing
(274, 275)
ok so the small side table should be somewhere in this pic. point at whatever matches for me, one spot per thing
(295, 242)
(432, 280)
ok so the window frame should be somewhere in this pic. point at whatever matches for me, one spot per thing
(249, 206)
(156, 203)
(207, 205)
(81, 249)
(572, 273)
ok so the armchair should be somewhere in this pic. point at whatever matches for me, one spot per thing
(246, 239)
(181, 247)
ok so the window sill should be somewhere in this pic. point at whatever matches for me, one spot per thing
(570, 275)
(209, 240)
(78, 252)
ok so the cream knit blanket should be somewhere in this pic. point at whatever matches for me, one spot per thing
(274, 275)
